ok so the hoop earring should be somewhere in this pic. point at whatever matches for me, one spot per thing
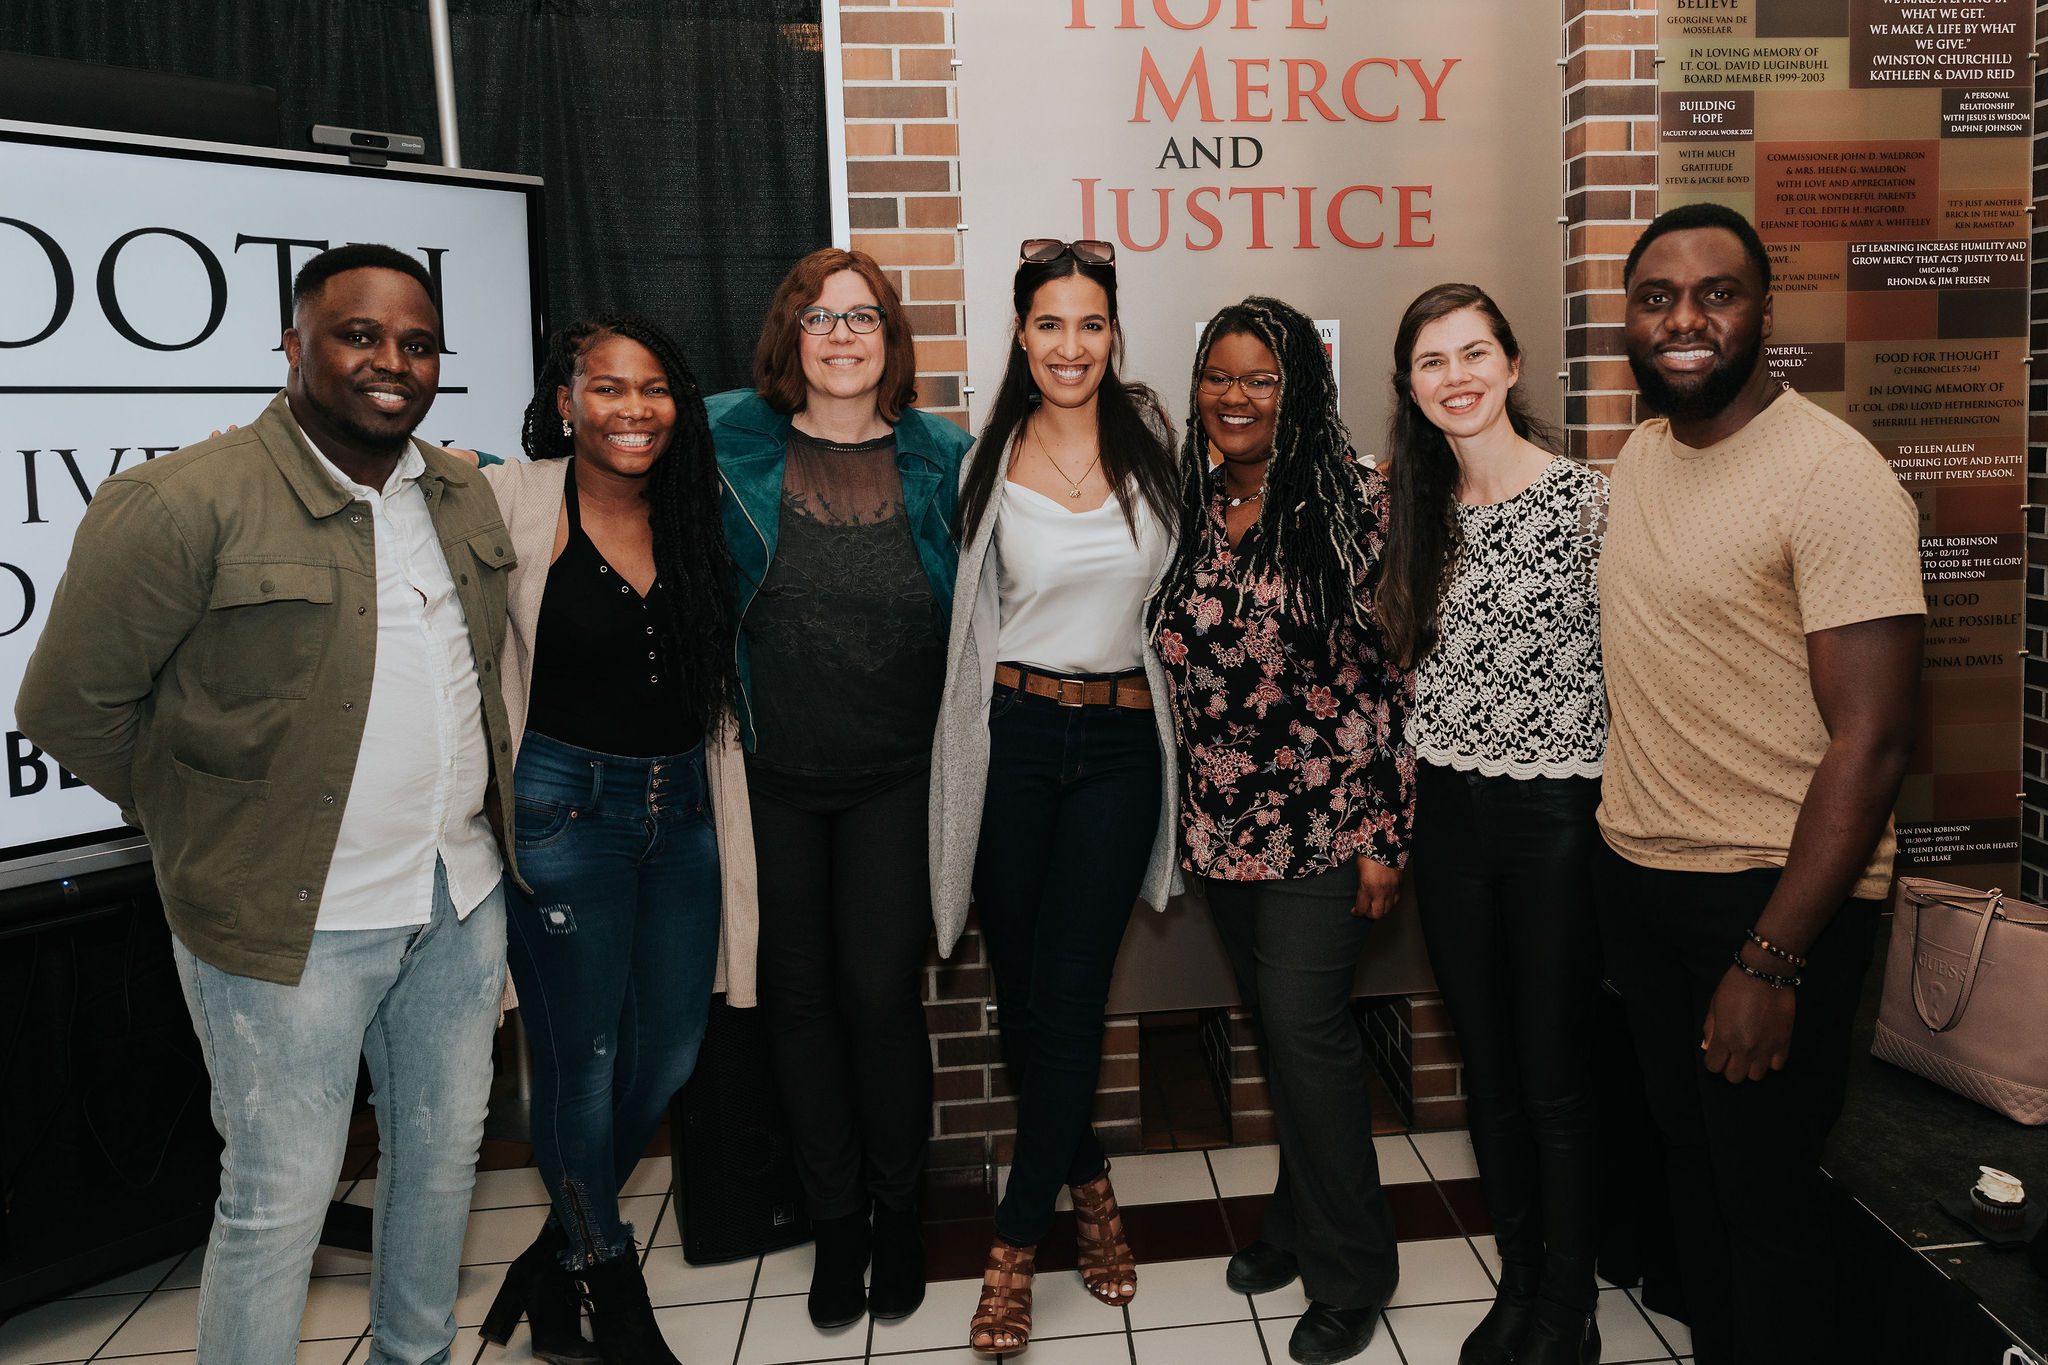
(567, 430)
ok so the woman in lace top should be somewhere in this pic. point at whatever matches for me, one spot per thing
(838, 503)
(1295, 804)
(1490, 592)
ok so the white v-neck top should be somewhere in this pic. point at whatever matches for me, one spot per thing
(1072, 585)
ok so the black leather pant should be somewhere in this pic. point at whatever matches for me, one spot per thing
(1503, 872)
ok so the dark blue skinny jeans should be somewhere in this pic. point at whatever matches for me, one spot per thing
(1066, 833)
(614, 955)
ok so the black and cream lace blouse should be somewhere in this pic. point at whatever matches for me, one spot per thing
(1513, 686)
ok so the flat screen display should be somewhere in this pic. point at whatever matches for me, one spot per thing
(144, 286)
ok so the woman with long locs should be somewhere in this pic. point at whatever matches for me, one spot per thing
(618, 675)
(1491, 592)
(1052, 775)
(1297, 786)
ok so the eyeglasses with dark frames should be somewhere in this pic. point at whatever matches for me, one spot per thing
(1044, 250)
(820, 321)
(1257, 386)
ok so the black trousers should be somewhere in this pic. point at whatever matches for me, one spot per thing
(1066, 833)
(1294, 948)
(1503, 870)
(845, 918)
(1754, 1250)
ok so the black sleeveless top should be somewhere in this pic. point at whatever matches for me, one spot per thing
(605, 674)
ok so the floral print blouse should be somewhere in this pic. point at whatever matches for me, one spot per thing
(1291, 735)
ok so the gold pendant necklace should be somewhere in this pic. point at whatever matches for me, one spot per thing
(1073, 485)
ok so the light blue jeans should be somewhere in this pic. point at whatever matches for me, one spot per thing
(421, 1003)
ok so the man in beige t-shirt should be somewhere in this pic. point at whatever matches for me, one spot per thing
(1761, 612)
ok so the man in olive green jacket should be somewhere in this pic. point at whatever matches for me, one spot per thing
(276, 652)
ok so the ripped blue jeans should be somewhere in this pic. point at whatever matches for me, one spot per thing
(613, 955)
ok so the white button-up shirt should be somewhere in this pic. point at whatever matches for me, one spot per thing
(418, 790)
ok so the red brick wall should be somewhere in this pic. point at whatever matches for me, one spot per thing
(1610, 191)
(903, 175)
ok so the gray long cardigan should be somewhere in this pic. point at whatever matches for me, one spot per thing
(960, 749)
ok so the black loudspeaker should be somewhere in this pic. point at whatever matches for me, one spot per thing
(108, 1156)
(735, 1180)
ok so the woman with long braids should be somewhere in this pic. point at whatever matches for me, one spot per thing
(1490, 591)
(1052, 774)
(1296, 800)
(618, 674)
(838, 505)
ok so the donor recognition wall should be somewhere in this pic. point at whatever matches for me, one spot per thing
(1884, 149)
(1342, 155)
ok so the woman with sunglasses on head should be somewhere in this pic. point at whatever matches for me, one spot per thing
(1051, 797)
(838, 505)
(618, 676)
(1297, 787)
(1491, 592)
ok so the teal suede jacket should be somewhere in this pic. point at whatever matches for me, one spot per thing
(753, 445)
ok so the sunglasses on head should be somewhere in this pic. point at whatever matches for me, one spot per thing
(1042, 250)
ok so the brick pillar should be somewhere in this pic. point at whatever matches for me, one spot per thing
(903, 176)
(1610, 191)
(974, 1105)
(1416, 1055)
(1232, 1052)
(966, 1101)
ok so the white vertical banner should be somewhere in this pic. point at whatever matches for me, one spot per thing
(1342, 155)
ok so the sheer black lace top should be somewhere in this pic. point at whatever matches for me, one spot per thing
(845, 642)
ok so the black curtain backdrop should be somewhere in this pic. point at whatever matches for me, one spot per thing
(682, 141)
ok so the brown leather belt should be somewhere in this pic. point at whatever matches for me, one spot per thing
(1133, 692)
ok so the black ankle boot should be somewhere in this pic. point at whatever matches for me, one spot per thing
(1501, 1334)
(537, 1286)
(1561, 1340)
(620, 1316)
(896, 1286)
(839, 1272)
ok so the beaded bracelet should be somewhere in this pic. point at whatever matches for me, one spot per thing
(1775, 951)
(1777, 983)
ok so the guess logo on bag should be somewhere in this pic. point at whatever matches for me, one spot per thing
(1929, 963)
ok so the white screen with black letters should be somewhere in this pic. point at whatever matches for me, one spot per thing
(141, 300)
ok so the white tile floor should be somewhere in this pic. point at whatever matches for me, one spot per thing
(752, 1312)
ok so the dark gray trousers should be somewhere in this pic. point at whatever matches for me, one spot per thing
(1294, 948)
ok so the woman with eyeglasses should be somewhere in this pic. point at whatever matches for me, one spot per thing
(1051, 799)
(1297, 787)
(838, 510)
(1492, 592)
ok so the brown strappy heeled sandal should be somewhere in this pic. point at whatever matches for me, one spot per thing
(1002, 1320)
(1107, 1266)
